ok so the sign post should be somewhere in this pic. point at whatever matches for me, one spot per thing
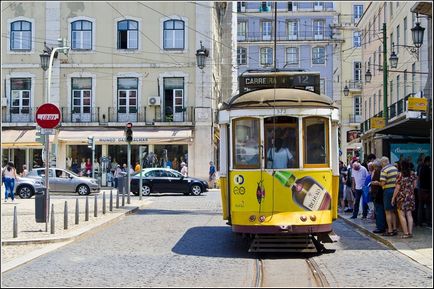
(47, 116)
(141, 150)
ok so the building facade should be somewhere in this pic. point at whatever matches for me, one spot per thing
(127, 62)
(404, 131)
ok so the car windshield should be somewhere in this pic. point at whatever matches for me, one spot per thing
(159, 173)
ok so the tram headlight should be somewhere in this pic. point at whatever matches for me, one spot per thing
(252, 218)
(312, 218)
(261, 219)
(303, 218)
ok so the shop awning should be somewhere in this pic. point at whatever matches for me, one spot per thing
(17, 138)
(408, 127)
(117, 136)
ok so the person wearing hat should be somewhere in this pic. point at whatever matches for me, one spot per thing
(117, 174)
(184, 169)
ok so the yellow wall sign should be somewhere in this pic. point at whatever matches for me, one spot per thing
(417, 104)
(377, 122)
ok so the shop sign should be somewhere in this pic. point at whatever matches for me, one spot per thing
(352, 135)
(121, 139)
(412, 152)
(377, 122)
(417, 104)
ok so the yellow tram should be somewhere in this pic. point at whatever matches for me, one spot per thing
(279, 156)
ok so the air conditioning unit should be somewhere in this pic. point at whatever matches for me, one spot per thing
(154, 100)
(4, 101)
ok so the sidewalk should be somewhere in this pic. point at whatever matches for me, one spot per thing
(33, 240)
(418, 248)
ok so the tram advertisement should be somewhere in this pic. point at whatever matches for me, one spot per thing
(281, 190)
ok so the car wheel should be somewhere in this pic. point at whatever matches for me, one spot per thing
(146, 190)
(196, 190)
(25, 192)
(83, 190)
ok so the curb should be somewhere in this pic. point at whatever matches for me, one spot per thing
(369, 233)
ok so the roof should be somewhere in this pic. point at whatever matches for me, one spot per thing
(282, 97)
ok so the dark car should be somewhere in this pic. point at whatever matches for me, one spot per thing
(164, 180)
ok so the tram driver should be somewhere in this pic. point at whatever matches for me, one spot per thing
(279, 157)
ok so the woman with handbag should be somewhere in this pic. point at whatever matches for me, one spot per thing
(9, 177)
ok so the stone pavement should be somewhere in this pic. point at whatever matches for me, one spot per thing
(33, 240)
(418, 248)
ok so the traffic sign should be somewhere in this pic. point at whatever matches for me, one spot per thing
(48, 116)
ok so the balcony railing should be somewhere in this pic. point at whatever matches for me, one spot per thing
(355, 118)
(301, 36)
(355, 84)
(80, 115)
(119, 114)
(18, 115)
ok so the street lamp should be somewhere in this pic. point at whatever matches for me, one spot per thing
(368, 76)
(346, 90)
(201, 55)
(417, 34)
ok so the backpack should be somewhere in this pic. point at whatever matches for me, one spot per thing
(349, 181)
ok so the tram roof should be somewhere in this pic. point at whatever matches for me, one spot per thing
(279, 97)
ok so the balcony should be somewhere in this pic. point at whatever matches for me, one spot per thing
(355, 118)
(301, 36)
(150, 114)
(355, 84)
(18, 115)
(80, 115)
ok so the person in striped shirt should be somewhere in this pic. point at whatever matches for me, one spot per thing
(387, 181)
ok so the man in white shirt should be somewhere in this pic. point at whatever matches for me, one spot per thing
(359, 175)
(279, 156)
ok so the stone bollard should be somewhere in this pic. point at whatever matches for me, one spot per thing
(15, 223)
(117, 199)
(103, 203)
(95, 207)
(128, 198)
(86, 213)
(77, 212)
(65, 216)
(123, 198)
(52, 219)
(111, 201)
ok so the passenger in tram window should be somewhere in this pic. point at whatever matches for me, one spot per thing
(278, 157)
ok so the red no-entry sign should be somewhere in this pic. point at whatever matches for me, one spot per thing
(48, 116)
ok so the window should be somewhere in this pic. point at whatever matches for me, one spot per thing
(357, 71)
(292, 30)
(375, 63)
(242, 56)
(397, 88)
(127, 94)
(265, 6)
(391, 91)
(369, 108)
(292, 6)
(405, 82)
(241, 6)
(266, 30)
(20, 95)
(281, 142)
(318, 55)
(365, 109)
(173, 98)
(397, 39)
(322, 86)
(358, 12)
(81, 95)
(379, 100)
(292, 55)
(81, 35)
(242, 30)
(21, 35)
(128, 34)
(391, 9)
(318, 6)
(266, 56)
(173, 34)
(246, 143)
(369, 32)
(318, 29)
(413, 78)
(357, 104)
(391, 41)
(315, 132)
(405, 31)
(375, 103)
(357, 39)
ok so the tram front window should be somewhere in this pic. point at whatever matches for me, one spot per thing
(315, 141)
(281, 142)
(246, 138)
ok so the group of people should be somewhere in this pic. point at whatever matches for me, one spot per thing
(84, 168)
(388, 191)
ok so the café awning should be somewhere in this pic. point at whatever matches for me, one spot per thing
(18, 138)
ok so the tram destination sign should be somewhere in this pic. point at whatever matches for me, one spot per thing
(304, 81)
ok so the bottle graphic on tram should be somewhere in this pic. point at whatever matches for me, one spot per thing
(306, 191)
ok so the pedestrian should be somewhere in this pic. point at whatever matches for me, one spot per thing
(359, 176)
(184, 169)
(88, 167)
(348, 191)
(83, 167)
(116, 175)
(377, 198)
(388, 181)
(9, 176)
(137, 167)
(25, 171)
(342, 173)
(74, 167)
(211, 175)
(404, 198)
(425, 193)
(367, 197)
(175, 164)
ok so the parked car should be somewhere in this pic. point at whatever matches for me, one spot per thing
(165, 180)
(26, 187)
(61, 180)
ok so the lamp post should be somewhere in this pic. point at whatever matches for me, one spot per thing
(201, 55)
(46, 64)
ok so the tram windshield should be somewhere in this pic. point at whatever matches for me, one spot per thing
(281, 142)
(315, 141)
(246, 140)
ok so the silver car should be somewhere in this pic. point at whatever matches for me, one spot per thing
(25, 187)
(61, 180)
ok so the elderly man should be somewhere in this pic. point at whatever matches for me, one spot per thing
(387, 181)
(359, 174)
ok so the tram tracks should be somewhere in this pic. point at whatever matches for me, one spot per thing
(313, 274)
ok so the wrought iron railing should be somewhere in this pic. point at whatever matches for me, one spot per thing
(80, 115)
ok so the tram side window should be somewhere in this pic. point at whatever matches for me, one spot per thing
(281, 142)
(246, 143)
(315, 141)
